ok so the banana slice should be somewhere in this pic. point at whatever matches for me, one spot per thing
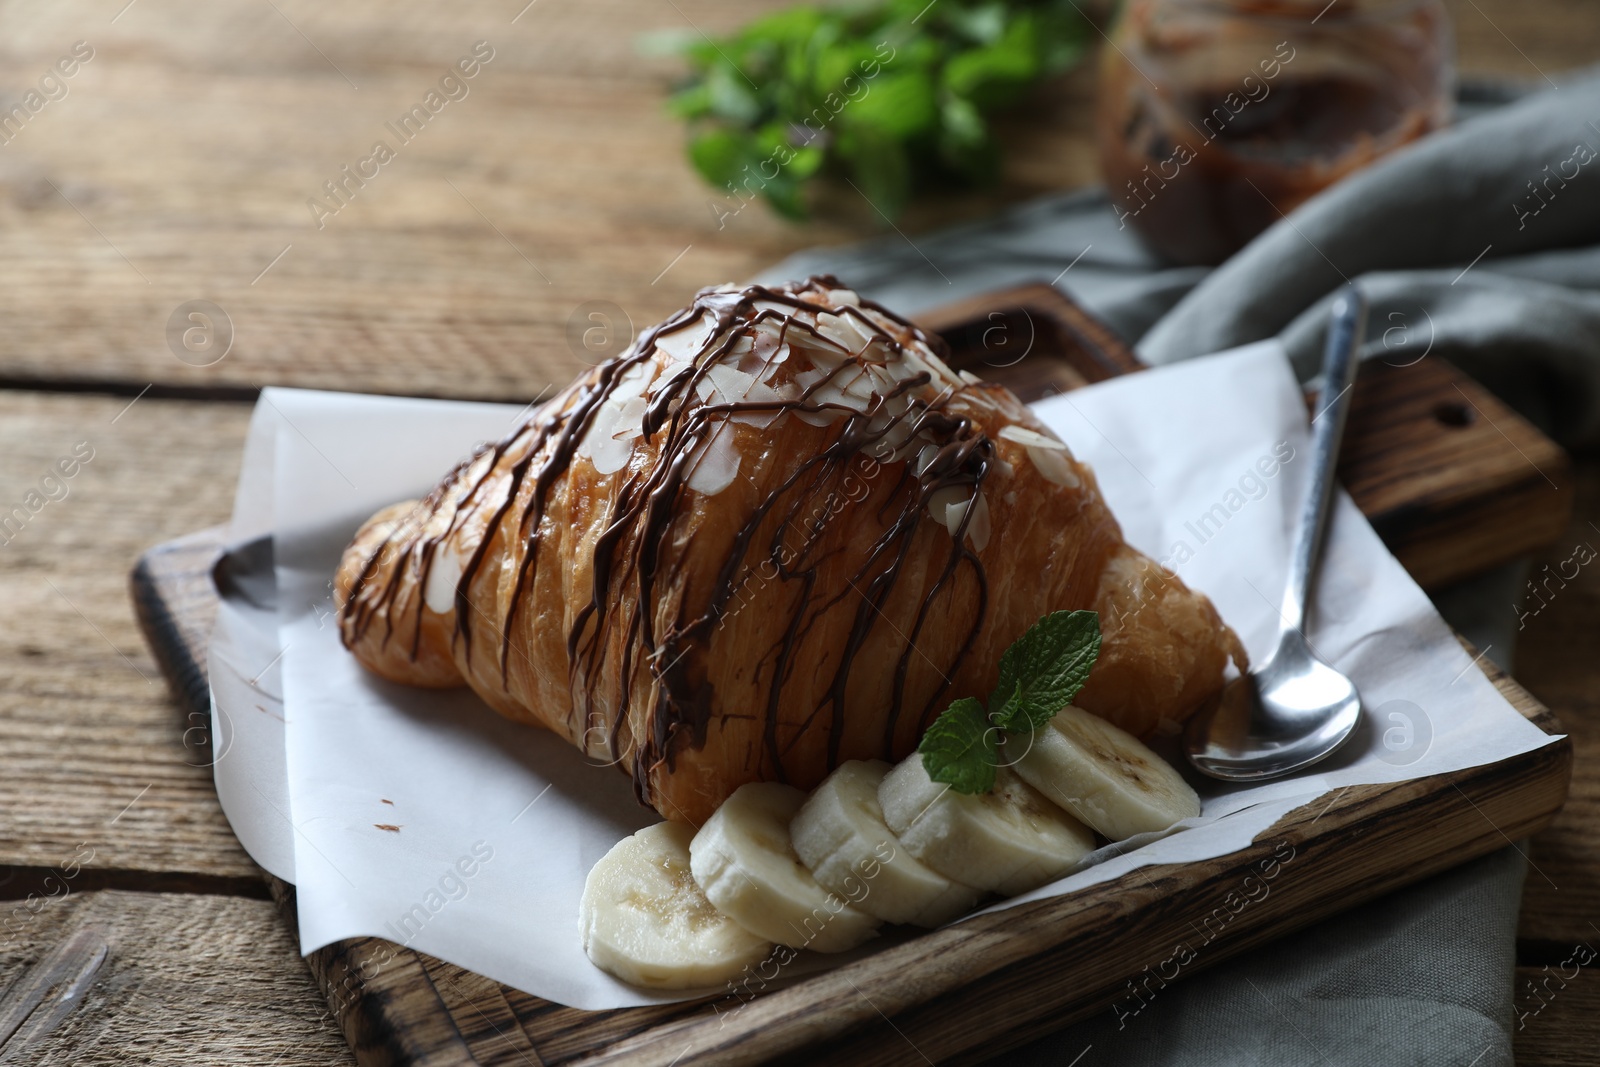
(744, 861)
(840, 834)
(1009, 840)
(645, 920)
(1103, 775)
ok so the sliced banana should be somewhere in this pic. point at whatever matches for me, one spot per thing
(1009, 840)
(744, 861)
(840, 834)
(1102, 774)
(645, 920)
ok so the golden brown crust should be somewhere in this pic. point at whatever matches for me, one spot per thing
(394, 648)
(811, 609)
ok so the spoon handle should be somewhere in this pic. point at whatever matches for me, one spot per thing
(1346, 326)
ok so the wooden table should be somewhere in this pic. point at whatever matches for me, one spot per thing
(177, 168)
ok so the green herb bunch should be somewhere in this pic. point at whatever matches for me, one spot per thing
(893, 96)
(1039, 675)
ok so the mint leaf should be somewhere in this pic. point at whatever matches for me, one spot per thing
(995, 75)
(718, 155)
(1044, 669)
(730, 95)
(1008, 711)
(961, 749)
(902, 106)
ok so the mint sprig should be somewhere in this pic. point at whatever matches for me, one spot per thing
(896, 97)
(1040, 674)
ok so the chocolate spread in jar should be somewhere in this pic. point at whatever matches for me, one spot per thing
(1218, 117)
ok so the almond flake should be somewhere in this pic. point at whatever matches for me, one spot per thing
(715, 464)
(943, 500)
(979, 529)
(630, 419)
(612, 455)
(1054, 465)
(949, 506)
(829, 393)
(765, 342)
(823, 355)
(784, 311)
(444, 574)
(688, 341)
(819, 418)
(1032, 439)
(765, 368)
(939, 365)
(861, 386)
(842, 331)
(733, 385)
(634, 381)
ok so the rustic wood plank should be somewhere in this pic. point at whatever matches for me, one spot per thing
(1520, 40)
(165, 979)
(91, 746)
(570, 185)
(1453, 480)
(1031, 339)
(1557, 1010)
(1555, 658)
(368, 984)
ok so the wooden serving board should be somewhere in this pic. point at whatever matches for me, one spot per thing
(1453, 480)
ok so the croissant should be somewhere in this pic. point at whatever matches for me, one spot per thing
(778, 533)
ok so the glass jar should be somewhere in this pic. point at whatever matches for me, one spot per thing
(1217, 116)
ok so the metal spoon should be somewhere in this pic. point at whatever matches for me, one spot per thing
(1294, 709)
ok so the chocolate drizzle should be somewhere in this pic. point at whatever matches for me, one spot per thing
(904, 429)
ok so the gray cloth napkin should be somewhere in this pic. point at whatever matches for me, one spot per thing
(1420, 977)
(1481, 245)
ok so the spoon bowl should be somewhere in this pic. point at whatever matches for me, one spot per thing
(1289, 713)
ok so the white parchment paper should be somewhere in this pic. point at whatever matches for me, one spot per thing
(423, 817)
